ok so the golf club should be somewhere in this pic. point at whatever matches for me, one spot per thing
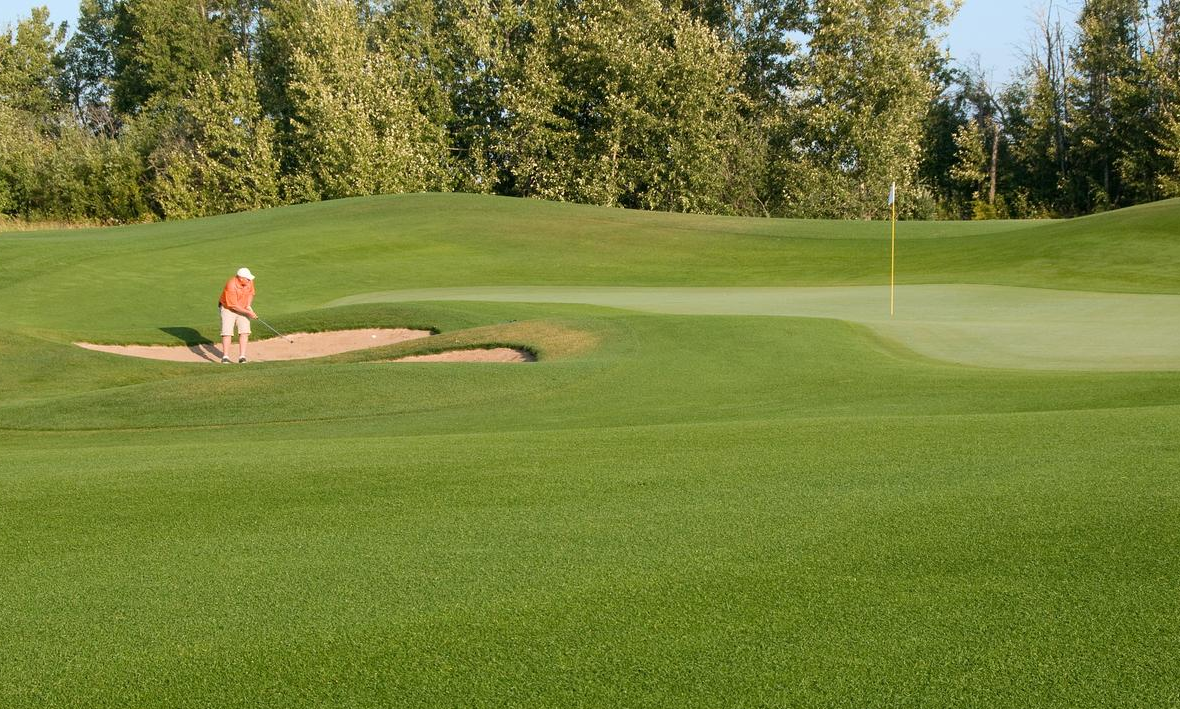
(288, 339)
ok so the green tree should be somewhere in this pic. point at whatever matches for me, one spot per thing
(763, 33)
(970, 167)
(870, 80)
(535, 139)
(1038, 109)
(628, 104)
(28, 69)
(1167, 70)
(981, 143)
(228, 163)
(22, 148)
(88, 65)
(69, 174)
(30, 120)
(355, 128)
(412, 28)
(485, 48)
(1107, 96)
(118, 178)
(161, 46)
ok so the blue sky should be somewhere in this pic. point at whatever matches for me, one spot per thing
(996, 30)
(999, 31)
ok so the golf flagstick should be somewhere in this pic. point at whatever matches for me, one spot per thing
(288, 339)
(892, 241)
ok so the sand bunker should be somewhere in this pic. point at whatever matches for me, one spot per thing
(302, 345)
(485, 354)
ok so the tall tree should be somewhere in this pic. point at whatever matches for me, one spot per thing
(870, 79)
(161, 46)
(355, 127)
(937, 167)
(228, 163)
(30, 105)
(485, 45)
(1106, 93)
(1167, 69)
(28, 66)
(764, 34)
(22, 148)
(88, 65)
(979, 142)
(628, 104)
(534, 139)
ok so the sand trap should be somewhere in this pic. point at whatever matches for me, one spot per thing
(303, 345)
(486, 354)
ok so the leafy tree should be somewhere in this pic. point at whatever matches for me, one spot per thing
(481, 53)
(939, 158)
(869, 82)
(184, 107)
(88, 65)
(982, 142)
(28, 71)
(535, 139)
(1167, 70)
(630, 105)
(1039, 117)
(763, 34)
(161, 46)
(970, 167)
(355, 128)
(411, 28)
(118, 182)
(1106, 97)
(21, 149)
(228, 162)
(29, 112)
(69, 174)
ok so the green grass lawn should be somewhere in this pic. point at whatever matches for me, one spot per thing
(730, 481)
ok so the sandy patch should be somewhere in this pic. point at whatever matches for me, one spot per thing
(485, 354)
(302, 345)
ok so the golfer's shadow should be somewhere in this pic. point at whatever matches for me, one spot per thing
(197, 343)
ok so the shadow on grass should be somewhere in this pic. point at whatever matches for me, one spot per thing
(187, 335)
(197, 343)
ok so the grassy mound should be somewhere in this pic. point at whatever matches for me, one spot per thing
(782, 503)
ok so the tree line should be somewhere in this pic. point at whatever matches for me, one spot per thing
(169, 109)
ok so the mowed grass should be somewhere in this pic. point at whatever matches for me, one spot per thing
(984, 325)
(666, 510)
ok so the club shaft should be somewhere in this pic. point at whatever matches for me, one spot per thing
(272, 329)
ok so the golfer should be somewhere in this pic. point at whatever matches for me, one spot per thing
(235, 308)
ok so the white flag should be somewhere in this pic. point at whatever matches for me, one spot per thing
(892, 193)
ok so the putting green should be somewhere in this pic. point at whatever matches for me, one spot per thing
(979, 325)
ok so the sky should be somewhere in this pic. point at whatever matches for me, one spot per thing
(996, 30)
(999, 31)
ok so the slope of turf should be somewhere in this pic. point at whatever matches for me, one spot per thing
(687, 507)
(991, 326)
(83, 281)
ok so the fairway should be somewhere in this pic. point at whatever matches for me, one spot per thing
(729, 479)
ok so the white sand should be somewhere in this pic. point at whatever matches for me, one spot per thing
(302, 345)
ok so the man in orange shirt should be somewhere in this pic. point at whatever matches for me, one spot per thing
(235, 308)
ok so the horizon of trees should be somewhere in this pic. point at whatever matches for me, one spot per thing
(170, 109)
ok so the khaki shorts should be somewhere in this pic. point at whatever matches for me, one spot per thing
(229, 318)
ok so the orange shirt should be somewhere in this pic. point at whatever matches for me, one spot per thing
(236, 296)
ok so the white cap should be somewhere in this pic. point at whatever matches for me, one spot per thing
(245, 273)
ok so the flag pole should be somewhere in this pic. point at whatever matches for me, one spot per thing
(892, 242)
